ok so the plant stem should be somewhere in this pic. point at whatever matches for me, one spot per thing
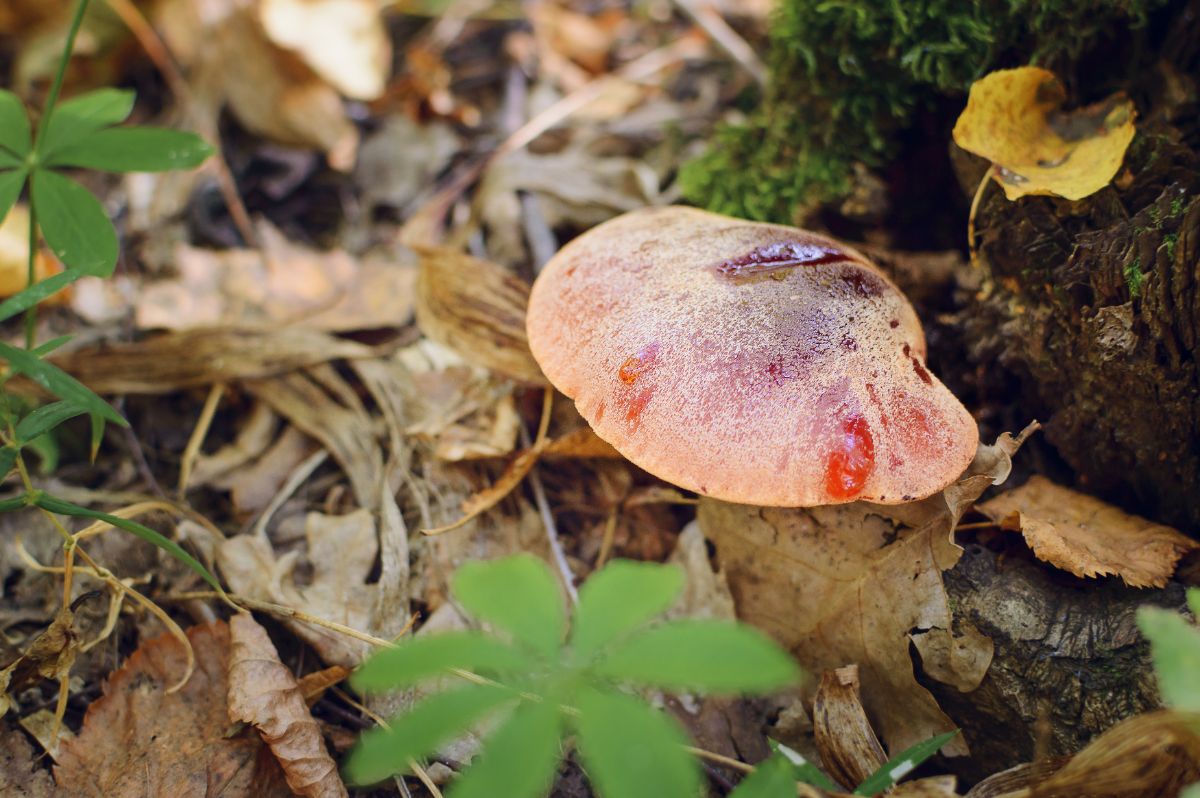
(47, 112)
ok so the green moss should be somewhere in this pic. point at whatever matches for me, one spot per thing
(1170, 240)
(1134, 277)
(848, 76)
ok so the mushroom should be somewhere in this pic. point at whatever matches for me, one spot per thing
(750, 362)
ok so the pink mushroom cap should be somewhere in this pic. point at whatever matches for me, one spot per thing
(754, 363)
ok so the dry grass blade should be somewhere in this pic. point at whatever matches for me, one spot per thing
(476, 308)
(849, 748)
(166, 363)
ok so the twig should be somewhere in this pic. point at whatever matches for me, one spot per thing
(975, 202)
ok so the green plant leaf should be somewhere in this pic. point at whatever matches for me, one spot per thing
(431, 723)
(1175, 650)
(17, 503)
(1193, 600)
(58, 382)
(617, 599)
(771, 779)
(41, 350)
(78, 118)
(802, 769)
(704, 655)
(1191, 792)
(631, 750)
(519, 759)
(14, 125)
(10, 161)
(46, 418)
(8, 456)
(422, 657)
(11, 184)
(135, 149)
(518, 595)
(899, 766)
(24, 300)
(74, 224)
(63, 507)
(47, 450)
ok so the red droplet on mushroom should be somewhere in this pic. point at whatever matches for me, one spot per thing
(795, 374)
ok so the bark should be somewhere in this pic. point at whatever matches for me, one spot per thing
(1069, 661)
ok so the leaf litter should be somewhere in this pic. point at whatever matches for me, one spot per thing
(343, 429)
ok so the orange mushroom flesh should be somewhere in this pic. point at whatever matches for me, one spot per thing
(750, 362)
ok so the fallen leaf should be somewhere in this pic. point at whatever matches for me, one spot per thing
(1087, 537)
(476, 308)
(582, 442)
(848, 584)
(264, 693)
(344, 41)
(322, 404)
(849, 748)
(220, 43)
(960, 660)
(49, 656)
(257, 430)
(341, 552)
(1014, 119)
(930, 787)
(482, 501)
(705, 590)
(313, 685)
(139, 740)
(20, 776)
(282, 284)
(253, 486)
(198, 358)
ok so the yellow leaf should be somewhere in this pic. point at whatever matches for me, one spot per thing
(1014, 118)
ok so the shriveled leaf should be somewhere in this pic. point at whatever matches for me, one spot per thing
(477, 308)
(1014, 119)
(50, 656)
(518, 595)
(519, 759)
(479, 503)
(1175, 648)
(849, 748)
(78, 118)
(704, 655)
(421, 730)
(134, 149)
(264, 693)
(770, 779)
(631, 750)
(140, 739)
(344, 41)
(74, 224)
(14, 125)
(420, 658)
(1088, 537)
(617, 599)
(11, 183)
(58, 382)
(902, 764)
(21, 774)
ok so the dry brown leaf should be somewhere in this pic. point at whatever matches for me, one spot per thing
(313, 685)
(20, 776)
(705, 591)
(344, 41)
(849, 748)
(478, 309)
(1014, 119)
(341, 551)
(1087, 537)
(960, 660)
(282, 284)
(479, 503)
(49, 656)
(139, 740)
(322, 404)
(199, 358)
(849, 584)
(221, 42)
(1156, 754)
(264, 693)
(931, 787)
(252, 487)
(579, 443)
(256, 432)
